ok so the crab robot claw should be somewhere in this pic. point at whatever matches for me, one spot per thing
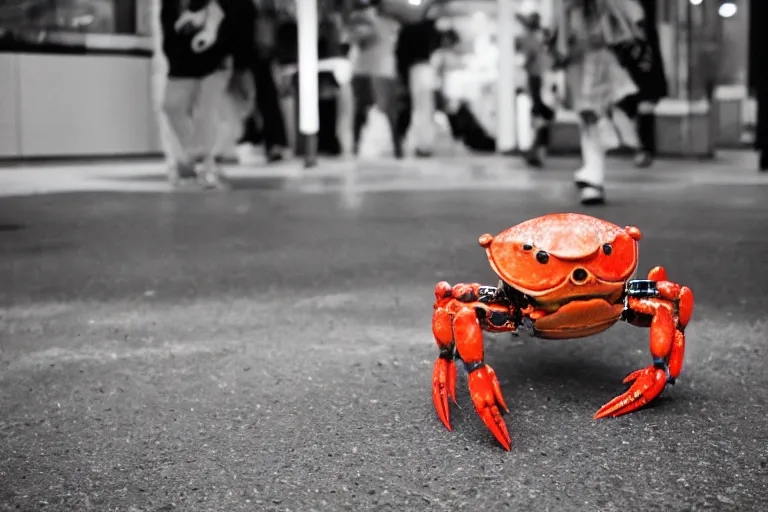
(443, 388)
(486, 395)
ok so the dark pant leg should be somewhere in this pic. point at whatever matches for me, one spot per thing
(268, 105)
(251, 129)
(362, 90)
(540, 110)
(646, 131)
(386, 95)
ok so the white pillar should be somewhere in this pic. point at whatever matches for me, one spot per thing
(309, 112)
(506, 138)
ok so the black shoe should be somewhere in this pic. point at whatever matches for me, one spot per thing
(182, 173)
(274, 155)
(643, 159)
(534, 157)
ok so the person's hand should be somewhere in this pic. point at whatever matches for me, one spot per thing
(203, 40)
(190, 20)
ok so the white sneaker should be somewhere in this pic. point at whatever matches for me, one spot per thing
(579, 177)
(591, 195)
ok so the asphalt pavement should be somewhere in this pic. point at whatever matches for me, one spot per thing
(270, 348)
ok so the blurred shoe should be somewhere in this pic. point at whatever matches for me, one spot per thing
(592, 195)
(422, 153)
(643, 159)
(580, 179)
(214, 180)
(247, 154)
(228, 159)
(764, 161)
(275, 154)
(535, 157)
(211, 177)
(180, 173)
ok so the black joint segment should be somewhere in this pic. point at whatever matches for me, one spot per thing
(661, 364)
(487, 294)
(467, 297)
(499, 319)
(642, 289)
(470, 367)
(446, 353)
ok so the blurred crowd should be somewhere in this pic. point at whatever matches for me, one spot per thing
(230, 82)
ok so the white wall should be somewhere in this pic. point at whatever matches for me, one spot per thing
(76, 105)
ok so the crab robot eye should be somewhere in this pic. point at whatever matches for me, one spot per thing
(607, 249)
(542, 257)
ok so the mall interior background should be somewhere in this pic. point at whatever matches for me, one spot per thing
(76, 75)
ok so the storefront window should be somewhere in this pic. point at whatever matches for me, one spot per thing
(690, 38)
(82, 16)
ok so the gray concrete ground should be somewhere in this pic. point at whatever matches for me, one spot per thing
(270, 348)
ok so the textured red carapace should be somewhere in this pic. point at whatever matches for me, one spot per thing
(565, 275)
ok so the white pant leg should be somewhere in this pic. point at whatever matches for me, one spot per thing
(179, 99)
(422, 83)
(593, 171)
(209, 111)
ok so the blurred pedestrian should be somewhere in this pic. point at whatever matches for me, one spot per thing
(416, 44)
(374, 33)
(206, 44)
(643, 60)
(531, 45)
(758, 76)
(266, 125)
(587, 30)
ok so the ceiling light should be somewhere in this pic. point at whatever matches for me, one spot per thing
(727, 9)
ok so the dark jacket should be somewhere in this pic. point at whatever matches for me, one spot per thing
(235, 38)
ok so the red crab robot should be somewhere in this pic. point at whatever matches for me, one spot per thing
(562, 276)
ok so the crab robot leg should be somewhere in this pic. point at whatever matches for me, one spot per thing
(457, 329)
(669, 307)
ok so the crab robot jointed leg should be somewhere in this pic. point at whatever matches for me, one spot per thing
(666, 308)
(457, 326)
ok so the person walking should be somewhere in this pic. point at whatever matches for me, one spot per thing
(532, 46)
(374, 81)
(416, 44)
(271, 130)
(206, 44)
(586, 32)
(758, 76)
(643, 60)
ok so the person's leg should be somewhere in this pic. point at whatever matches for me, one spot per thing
(423, 100)
(345, 113)
(268, 104)
(542, 115)
(210, 110)
(385, 91)
(362, 91)
(591, 177)
(177, 106)
(646, 130)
